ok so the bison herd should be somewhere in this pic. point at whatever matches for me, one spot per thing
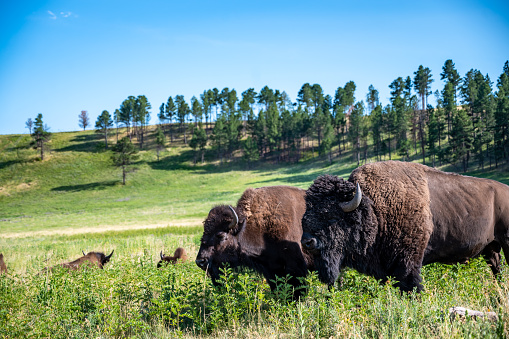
(387, 220)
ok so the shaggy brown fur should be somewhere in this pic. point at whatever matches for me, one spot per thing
(3, 267)
(91, 259)
(410, 215)
(179, 255)
(266, 237)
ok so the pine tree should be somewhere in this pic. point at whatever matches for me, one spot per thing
(199, 142)
(40, 135)
(502, 116)
(103, 124)
(124, 153)
(160, 141)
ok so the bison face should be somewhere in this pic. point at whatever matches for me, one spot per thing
(327, 223)
(219, 243)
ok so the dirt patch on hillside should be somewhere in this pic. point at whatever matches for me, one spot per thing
(101, 229)
(8, 189)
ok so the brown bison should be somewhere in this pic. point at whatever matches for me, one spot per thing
(391, 218)
(91, 259)
(3, 267)
(262, 233)
(180, 253)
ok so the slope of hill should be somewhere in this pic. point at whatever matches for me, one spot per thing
(77, 189)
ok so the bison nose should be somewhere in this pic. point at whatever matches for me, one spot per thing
(308, 242)
(202, 263)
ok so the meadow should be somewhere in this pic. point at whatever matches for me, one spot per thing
(72, 201)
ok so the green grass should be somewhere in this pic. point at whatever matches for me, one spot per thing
(50, 209)
(77, 187)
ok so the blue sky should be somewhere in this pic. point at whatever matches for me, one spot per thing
(61, 57)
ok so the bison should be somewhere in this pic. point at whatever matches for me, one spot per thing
(3, 267)
(90, 259)
(391, 218)
(180, 253)
(262, 233)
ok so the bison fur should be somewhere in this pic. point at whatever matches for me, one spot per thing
(409, 215)
(262, 233)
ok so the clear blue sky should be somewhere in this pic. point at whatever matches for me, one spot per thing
(61, 57)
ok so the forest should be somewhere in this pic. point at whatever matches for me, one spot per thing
(467, 128)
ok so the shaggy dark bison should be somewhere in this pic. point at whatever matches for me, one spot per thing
(180, 254)
(90, 259)
(391, 218)
(263, 233)
(3, 267)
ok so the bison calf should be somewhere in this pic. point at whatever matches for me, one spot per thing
(91, 259)
(180, 254)
(262, 233)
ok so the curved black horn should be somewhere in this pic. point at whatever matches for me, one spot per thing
(162, 256)
(235, 220)
(109, 256)
(83, 252)
(354, 203)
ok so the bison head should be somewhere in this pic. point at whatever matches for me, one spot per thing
(219, 243)
(100, 258)
(331, 224)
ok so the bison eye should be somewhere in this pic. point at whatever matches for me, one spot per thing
(332, 221)
(221, 236)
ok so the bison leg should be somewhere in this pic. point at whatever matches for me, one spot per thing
(491, 254)
(408, 279)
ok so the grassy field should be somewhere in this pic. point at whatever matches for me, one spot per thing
(72, 201)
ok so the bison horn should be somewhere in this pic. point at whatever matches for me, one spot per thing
(354, 203)
(109, 256)
(235, 220)
(83, 252)
(162, 256)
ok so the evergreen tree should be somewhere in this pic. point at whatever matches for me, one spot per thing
(250, 151)
(196, 110)
(40, 135)
(103, 124)
(199, 142)
(170, 111)
(126, 113)
(422, 84)
(451, 75)
(160, 141)
(219, 137)
(502, 116)
(124, 153)
(182, 113)
(141, 116)
(355, 130)
(460, 141)
(377, 125)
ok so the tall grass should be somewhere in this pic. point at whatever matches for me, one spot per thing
(130, 297)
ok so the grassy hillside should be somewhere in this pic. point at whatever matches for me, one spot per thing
(51, 210)
(76, 186)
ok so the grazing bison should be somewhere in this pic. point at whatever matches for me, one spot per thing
(180, 253)
(90, 259)
(391, 218)
(3, 267)
(263, 233)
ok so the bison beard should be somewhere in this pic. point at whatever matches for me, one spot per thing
(409, 215)
(262, 233)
